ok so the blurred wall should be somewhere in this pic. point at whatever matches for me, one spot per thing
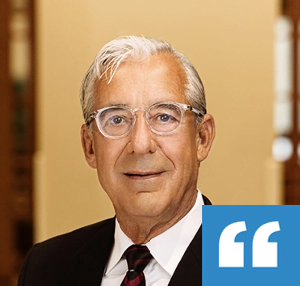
(231, 45)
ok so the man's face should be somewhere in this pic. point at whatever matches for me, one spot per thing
(145, 174)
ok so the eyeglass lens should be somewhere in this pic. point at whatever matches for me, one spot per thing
(163, 118)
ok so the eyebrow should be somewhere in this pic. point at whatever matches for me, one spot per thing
(126, 105)
(115, 105)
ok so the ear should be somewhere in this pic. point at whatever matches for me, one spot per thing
(87, 143)
(206, 135)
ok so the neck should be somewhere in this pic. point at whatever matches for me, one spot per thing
(141, 229)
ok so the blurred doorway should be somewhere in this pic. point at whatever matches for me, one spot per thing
(291, 9)
(17, 135)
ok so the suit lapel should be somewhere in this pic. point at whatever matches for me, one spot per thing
(87, 266)
(189, 269)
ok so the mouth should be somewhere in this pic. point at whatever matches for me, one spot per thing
(142, 175)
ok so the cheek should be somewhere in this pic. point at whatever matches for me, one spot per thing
(182, 148)
(107, 153)
(108, 179)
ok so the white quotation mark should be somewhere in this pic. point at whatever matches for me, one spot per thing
(231, 254)
(264, 253)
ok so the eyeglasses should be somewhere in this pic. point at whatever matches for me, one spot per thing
(163, 118)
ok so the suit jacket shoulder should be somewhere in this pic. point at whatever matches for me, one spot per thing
(75, 258)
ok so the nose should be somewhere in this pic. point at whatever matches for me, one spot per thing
(141, 137)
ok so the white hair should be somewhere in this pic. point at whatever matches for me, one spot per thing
(121, 49)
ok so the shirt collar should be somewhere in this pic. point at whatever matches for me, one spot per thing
(169, 247)
(166, 248)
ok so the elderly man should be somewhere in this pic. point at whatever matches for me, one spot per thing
(146, 131)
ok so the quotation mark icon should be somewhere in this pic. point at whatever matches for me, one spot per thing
(264, 253)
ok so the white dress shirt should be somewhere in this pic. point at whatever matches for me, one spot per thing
(167, 250)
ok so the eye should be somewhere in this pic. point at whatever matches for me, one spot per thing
(115, 117)
(116, 120)
(165, 117)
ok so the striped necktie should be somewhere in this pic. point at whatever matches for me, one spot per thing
(137, 256)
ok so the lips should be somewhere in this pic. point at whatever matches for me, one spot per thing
(137, 175)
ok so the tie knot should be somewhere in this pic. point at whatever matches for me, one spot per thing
(137, 256)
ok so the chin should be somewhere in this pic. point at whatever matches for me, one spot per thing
(150, 209)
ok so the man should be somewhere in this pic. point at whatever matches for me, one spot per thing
(146, 131)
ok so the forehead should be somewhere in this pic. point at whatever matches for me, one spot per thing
(144, 82)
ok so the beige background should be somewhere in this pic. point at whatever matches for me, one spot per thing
(231, 45)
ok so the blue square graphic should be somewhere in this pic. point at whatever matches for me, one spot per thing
(286, 240)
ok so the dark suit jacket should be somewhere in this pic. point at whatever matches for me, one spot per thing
(80, 257)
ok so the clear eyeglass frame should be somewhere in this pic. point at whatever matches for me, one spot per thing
(181, 106)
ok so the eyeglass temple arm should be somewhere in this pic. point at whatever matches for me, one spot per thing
(189, 107)
(91, 117)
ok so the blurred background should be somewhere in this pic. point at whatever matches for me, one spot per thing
(246, 53)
